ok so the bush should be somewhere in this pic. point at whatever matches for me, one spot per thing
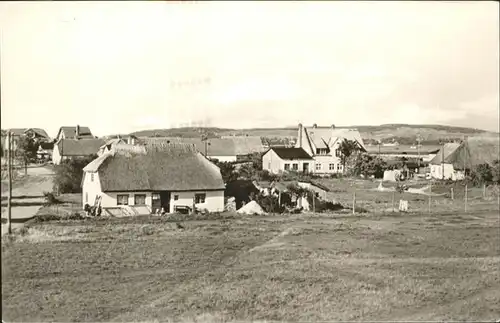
(482, 174)
(69, 174)
(269, 203)
(50, 198)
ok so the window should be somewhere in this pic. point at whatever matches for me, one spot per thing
(287, 166)
(155, 196)
(295, 166)
(122, 199)
(331, 167)
(337, 153)
(200, 198)
(92, 177)
(86, 197)
(339, 167)
(318, 166)
(140, 199)
(176, 197)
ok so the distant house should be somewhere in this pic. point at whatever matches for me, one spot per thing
(454, 160)
(153, 177)
(73, 148)
(37, 134)
(45, 150)
(323, 143)
(277, 160)
(228, 149)
(110, 144)
(74, 133)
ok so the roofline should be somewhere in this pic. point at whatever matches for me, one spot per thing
(155, 191)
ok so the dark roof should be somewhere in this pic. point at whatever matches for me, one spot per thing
(472, 152)
(229, 146)
(47, 145)
(172, 168)
(79, 147)
(291, 153)
(70, 132)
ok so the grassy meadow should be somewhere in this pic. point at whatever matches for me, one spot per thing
(284, 268)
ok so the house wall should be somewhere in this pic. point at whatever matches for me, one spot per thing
(449, 172)
(56, 155)
(274, 164)
(214, 201)
(224, 158)
(325, 162)
(302, 141)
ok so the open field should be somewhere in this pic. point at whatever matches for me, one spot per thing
(300, 268)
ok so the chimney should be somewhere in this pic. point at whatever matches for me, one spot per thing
(300, 135)
(77, 131)
(333, 126)
(315, 126)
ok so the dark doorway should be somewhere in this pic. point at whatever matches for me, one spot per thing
(305, 167)
(165, 201)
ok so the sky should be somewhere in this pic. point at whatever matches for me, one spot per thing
(119, 67)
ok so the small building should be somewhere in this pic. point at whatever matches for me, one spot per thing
(75, 148)
(37, 134)
(277, 160)
(112, 143)
(45, 150)
(168, 178)
(455, 160)
(76, 132)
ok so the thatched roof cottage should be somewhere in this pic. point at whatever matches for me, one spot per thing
(151, 178)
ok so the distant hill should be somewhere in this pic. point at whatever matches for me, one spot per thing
(402, 133)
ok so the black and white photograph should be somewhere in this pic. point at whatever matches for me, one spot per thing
(250, 161)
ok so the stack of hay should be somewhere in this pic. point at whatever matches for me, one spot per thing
(251, 208)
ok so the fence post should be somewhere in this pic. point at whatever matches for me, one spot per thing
(430, 197)
(465, 199)
(354, 202)
(452, 195)
(484, 191)
(393, 193)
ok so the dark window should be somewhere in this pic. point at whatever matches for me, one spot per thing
(140, 199)
(176, 197)
(287, 166)
(92, 177)
(295, 166)
(122, 199)
(200, 198)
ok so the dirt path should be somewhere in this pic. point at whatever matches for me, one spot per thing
(38, 181)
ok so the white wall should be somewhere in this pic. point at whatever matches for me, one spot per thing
(325, 162)
(56, 156)
(214, 201)
(274, 164)
(449, 172)
(224, 158)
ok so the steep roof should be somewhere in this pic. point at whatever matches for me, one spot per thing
(230, 146)
(291, 153)
(70, 132)
(446, 150)
(155, 168)
(323, 137)
(79, 147)
(471, 152)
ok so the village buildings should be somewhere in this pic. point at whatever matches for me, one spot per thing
(75, 148)
(37, 134)
(76, 132)
(162, 178)
(280, 159)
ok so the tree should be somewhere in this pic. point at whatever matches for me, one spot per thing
(27, 149)
(496, 171)
(368, 165)
(227, 171)
(481, 174)
(69, 174)
(347, 148)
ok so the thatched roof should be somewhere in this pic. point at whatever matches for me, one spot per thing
(156, 168)
(81, 147)
(229, 146)
(446, 150)
(472, 152)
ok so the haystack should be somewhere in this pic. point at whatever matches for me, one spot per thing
(251, 208)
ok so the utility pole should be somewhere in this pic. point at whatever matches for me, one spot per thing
(379, 147)
(442, 160)
(465, 172)
(418, 151)
(9, 171)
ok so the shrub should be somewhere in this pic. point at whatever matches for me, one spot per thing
(482, 174)
(50, 198)
(47, 218)
(269, 203)
(69, 174)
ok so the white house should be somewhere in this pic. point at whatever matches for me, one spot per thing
(74, 133)
(455, 159)
(75, 148)
(156, 178)
(322, 144)
(281, 159)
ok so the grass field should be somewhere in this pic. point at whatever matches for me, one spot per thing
(300, 268)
